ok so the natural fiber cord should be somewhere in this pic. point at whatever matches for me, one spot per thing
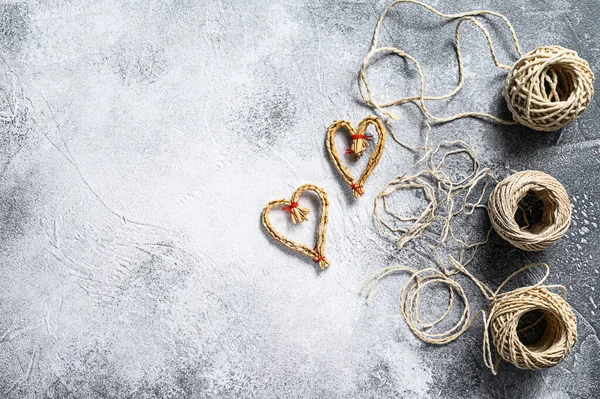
(548, 88)
(444, 199)
(545, 89)
(501, 324)
(299, 214)
(410, 299)
(505, 312)
(359, 144)
(503, 204)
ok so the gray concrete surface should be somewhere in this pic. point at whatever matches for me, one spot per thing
(140, 141)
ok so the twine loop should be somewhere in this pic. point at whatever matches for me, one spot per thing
(410, 297)
(501, 324)
(560, 333)
(503, 204)
(444, 198)
(545, 89)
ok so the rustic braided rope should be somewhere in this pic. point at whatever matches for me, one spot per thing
(359, 143)
(545, 89)
(504, 203)
(502, 321)
(299, 214)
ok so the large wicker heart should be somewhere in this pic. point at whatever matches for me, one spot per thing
(359, 143)
(299, 214)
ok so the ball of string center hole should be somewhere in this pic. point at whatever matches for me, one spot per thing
(532, 327)
(535, 211)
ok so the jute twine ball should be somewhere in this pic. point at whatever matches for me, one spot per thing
(559, 336)
(503, 204)
(548, 88)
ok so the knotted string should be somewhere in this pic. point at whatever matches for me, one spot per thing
(290, 207)
(361, 136)
(320, 258)
(357, 189)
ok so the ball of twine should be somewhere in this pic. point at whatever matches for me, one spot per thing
(559, 336)
(545, 89)
(548, 88)
(507, 312)
(502, 324)
(504, 203)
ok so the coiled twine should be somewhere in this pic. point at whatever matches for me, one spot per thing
(552, 330)
(545, 89)
(548, 88)
(504, 201)
(559, 336)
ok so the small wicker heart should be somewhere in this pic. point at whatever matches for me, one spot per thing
(299, 214)
(359, 144)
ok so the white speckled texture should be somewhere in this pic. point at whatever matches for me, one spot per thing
(148, 135)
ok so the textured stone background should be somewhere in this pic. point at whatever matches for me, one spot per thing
(139, 142)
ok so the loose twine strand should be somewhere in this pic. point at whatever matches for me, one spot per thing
(441, 195)
(447, 198)
(299, 214)
(358, 146)
(545, 89)
(501, 323)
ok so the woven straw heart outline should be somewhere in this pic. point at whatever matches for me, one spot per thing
(356, 186)
(299, 214)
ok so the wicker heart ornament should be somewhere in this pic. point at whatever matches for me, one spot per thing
(300, 214)
(359, 144)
